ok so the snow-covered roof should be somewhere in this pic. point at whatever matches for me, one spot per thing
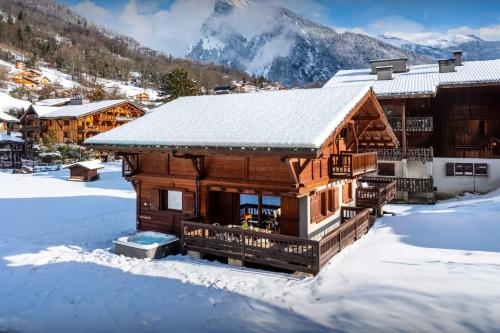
(8, 118)
(423, 79)
(72, 111)
(8, 102)
(9, 138)
(42, 111)
(53, 101)
(301, 118)
(91, 165)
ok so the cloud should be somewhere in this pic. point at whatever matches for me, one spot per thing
(171, 30)
(489, 32)
(90, 10)
(394, 24)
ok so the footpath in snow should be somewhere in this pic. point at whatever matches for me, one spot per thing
(427, 269)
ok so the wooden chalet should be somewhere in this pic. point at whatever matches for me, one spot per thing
(142, 97)
(11, 150)
(446, 118)
(85, 171)
(77, 121)
(268, 178)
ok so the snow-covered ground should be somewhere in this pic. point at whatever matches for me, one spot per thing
(427, 269)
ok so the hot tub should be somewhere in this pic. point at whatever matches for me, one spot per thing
(147, 244)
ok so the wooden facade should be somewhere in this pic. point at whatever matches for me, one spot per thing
(210, 188)
(79, 172)
(76, 129)
(458, 122)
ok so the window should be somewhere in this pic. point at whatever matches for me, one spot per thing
(324, 204)
(481, 169)
(66, 123)
(66, 135)
(467, 169)
(386, 169)
(170, 200)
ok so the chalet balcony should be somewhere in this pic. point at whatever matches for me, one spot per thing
(412, 154)
(412, 185)
(374, 193)
(413, 124)
(274, 250)
(350, 165)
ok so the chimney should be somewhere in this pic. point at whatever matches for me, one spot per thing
(458, 57)
(384, 72)
(76, 101)
(446, 65)
(399, 65)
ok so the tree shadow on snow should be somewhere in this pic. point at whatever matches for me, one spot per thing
(461, 227)
(86, 297)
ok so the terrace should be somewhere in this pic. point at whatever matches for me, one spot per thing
(347, 164)
(271, 249)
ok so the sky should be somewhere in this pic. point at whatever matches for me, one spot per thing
(173, 25)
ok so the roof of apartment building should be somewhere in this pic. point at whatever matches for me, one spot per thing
(423, 79)
(300, 118)
(75, 111)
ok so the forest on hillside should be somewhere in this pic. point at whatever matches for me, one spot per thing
(42, 30)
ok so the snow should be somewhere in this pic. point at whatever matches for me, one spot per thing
(8, 118)
(55, 76)
(301, 118)
(53, 101)
(427, 269)
(9, 138)
(8, 102)
(44, 110)
(94, 164)
(433, 39)
(423, 79)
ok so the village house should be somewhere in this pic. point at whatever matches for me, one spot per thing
(142, 97)
(11, 146)
(29, 78)
(447, 118)
(271, 178)
(77, 121)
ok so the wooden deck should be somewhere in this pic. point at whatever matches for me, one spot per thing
(283, 252)
(351, 165)
(412, 185)
(379, 193)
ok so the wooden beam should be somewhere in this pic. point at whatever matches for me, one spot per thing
(385, 140)
(368, 117)
(294, 168)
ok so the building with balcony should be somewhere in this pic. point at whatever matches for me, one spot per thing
(76, 121)
(270, 178)
(446, 118)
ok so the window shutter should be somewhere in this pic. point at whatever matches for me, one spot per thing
(315, 208)
(188, 202)
(336, 198)
(155, 199)
(450, 172)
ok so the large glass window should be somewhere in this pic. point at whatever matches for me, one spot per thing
(170, 200)
(268, 212)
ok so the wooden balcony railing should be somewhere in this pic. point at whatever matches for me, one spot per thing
(377, 193)
(350, 165)
(416, 185)
(412, 154)
(413, 124)
(285, 252)
(355, 222)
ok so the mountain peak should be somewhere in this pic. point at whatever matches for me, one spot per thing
(224, 7)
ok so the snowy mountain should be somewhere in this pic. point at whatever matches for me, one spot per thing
(437, 45)
(282, 46)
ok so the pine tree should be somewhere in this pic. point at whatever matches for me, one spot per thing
(176, 84)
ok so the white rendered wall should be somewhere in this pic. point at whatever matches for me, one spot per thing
(452, 186)
(317, 230)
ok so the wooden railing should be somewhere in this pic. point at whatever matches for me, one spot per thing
(284, 252)
(378, 193)
(355, 222)
(412, 154)
(419, 185)
(279, 251)
(351, 165)
(413, 124)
